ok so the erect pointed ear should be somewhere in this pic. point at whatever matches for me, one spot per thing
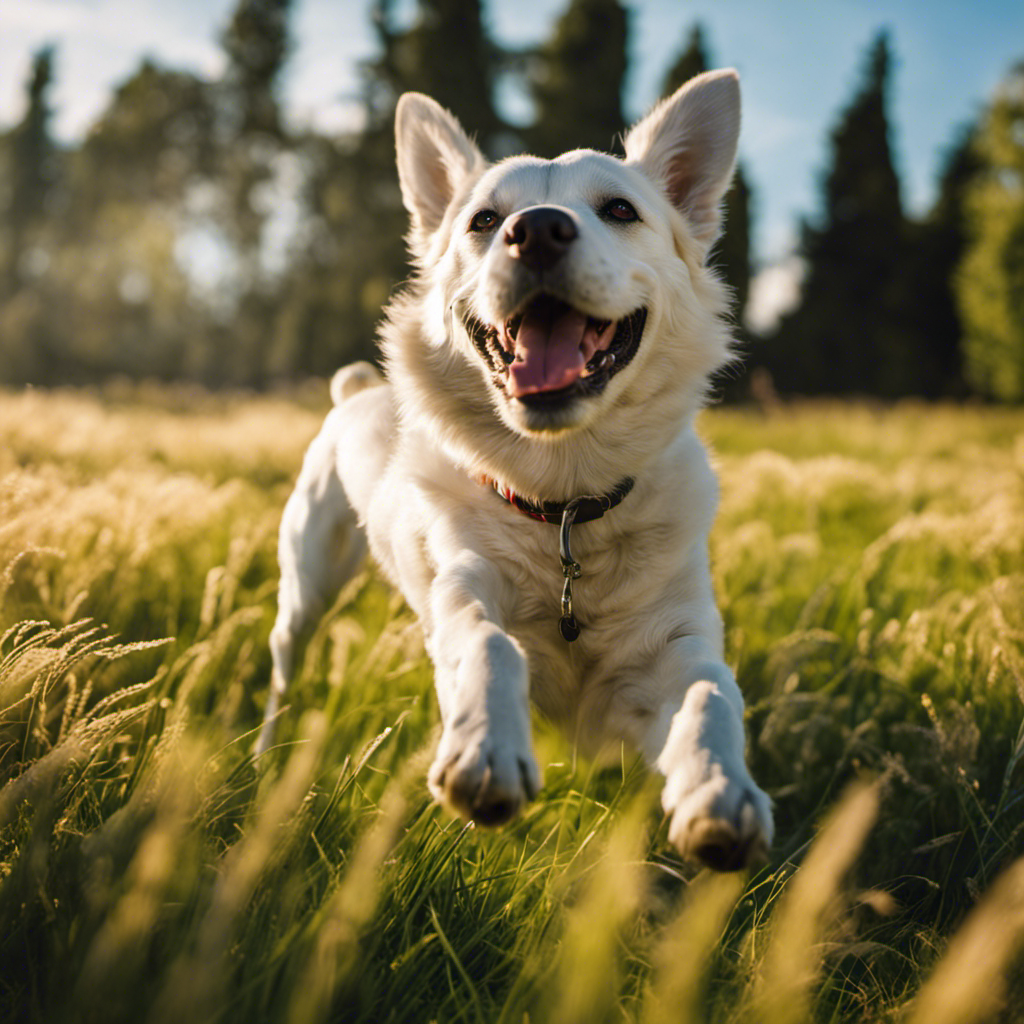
(435, 156)
(687, 144)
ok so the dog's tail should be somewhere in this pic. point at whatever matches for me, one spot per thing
(352, 378)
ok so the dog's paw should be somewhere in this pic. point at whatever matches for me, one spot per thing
(488, 779)
(721, 823)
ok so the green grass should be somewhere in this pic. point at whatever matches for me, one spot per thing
(870, 568)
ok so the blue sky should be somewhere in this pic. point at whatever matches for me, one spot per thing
(799, 61)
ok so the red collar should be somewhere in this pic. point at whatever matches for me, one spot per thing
(588, 506)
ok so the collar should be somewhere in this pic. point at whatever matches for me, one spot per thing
(566, 514)
(587, 506)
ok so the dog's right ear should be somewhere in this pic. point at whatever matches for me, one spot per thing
(435, 157)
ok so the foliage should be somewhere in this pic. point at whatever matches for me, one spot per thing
(196, 234)
(935, 248)
(991, 284)
(576, 80)
(256, 45)
(32, 160)
(845, 335)
(448, 54)
(870, 568)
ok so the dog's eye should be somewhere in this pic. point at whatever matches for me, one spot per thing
(485, 220)
(619, 209)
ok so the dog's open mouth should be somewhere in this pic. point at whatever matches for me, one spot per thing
(549, 352)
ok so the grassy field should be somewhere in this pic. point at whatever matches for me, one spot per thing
(869, 564)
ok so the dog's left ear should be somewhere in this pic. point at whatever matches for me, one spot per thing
(687, 144)
(435, 157)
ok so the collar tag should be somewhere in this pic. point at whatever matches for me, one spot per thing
(571, 570)
(584, 509)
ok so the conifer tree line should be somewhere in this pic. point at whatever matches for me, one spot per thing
(194, 234)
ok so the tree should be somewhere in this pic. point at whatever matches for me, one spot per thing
(846, 335)
(32, 165)
(446, 53)
(112, 298)
(935, 248)
(732, 251)
(341, 281)
(251, 140)
(693, 60)
(990, 285)
(576, 79)
(256, 43)
(155, 138)
(29, 176)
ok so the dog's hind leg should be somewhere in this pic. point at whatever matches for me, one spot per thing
(320, 544)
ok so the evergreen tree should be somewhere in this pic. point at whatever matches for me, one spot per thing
(342, 281)
(732, 251)
(990, 286)
(154, 139)
(447, 54)
(256, 43)
(846, 335)
(28, 188)
(935, 248)
(252, 138)
(32, 165)
(693, 60)
(576, 79)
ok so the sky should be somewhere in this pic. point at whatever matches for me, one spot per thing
(799, 62)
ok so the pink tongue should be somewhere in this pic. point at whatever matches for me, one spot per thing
(548, 350)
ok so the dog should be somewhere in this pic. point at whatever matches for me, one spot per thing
(527, 472)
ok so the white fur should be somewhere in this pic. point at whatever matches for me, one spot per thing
(405, 458)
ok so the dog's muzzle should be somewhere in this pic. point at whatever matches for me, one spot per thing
(549, 353)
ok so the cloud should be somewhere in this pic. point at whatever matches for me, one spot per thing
(52, 17)
(774, 291)
(99, 44)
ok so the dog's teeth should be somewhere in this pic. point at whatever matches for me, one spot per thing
(602, 361)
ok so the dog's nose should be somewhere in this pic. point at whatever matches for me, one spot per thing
(540, 237)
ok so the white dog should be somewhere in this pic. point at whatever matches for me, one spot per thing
(548, 358)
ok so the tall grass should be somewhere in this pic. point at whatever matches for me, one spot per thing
(869, 564)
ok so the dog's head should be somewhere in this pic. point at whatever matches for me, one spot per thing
(575, 286)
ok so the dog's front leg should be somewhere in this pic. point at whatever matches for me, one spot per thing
(484, 768)
(696, 739)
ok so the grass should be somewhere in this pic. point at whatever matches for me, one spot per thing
(870, 568)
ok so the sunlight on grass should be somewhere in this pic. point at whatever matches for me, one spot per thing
(968, 985)
(687, 946)
(801, 918)
(870, 568)
(586, 983)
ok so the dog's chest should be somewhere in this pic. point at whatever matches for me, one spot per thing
(619, 601)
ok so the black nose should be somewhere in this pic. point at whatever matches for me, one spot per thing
(540, 237)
